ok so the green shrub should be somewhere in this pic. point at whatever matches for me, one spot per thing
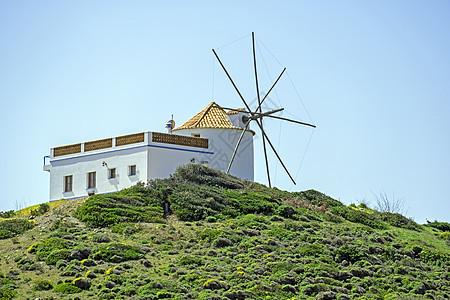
(194, 203)
(210, 235)
(6, 293)
(313, 249)
(10, 228)
(47, 246)
(42, 285)
(199, 174)
(280, 233)
(252, 221)
(132, 205)
(251, 202)
(211, 219)
(285, 211)
(357, 216)
(443, 226)
(7, 214)
(398, 220)
(317, 198)
(43, 208)
(109, 251)
(349, 253)
(125, 228)
(56, 255)
(434, 256)
(190, 260)
(67, 288)
(445, 236)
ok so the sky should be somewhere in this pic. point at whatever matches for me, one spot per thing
(374, 76)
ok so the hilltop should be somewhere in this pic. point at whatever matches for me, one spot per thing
(202, 234)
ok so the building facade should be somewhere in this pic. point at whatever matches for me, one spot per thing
(109, 165)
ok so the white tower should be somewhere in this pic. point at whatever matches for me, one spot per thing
(214, 124)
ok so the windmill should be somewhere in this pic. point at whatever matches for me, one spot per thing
(258, 115)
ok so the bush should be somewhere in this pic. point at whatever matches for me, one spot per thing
(443, 226)
(253, 222)
(110, 252)
(357, 216)
(349, 253)
(47, 246)
(133, 205)
(194, 203)
(6, 293)
(251, 202)
(199, 174)
(445, 236)
(317, 198)
(398, 220)
(56, 255)
(10, 228)
(43, 208)
(7, 214)
(314, 249)
(67, 288)
(42, 285)
(125, 228)
(190, 260)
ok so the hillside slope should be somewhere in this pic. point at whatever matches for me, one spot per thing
(222, 238)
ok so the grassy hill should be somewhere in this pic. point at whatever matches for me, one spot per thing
(222, 238)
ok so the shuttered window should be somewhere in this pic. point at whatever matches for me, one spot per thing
(91, 180)
(112, 173)
(132, 170)
(68, 183)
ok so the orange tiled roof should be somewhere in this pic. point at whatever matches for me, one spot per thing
(211, 116)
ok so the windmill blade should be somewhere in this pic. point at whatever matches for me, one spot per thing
(259, 108)
(290, 120)
(252, 113)
(266, 114)
(229, 77)
(256, 115)
(273, 85)
(276, 153)
(237, 146)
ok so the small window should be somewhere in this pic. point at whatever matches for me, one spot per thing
(112, 173)
(132, 170)
(67, 183)
(195, 134)
(91, 180)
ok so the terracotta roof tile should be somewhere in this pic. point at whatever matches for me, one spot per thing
(211, 116)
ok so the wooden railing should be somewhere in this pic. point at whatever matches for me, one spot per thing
(65, 150)
(158, 137)
(179, 140)
(130, 139)
(99, 144)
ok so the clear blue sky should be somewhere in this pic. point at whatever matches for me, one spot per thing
(373, 75)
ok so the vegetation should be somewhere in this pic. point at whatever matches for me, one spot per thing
(11, 228)
(43, 208)
(7, 214)
(223, 238)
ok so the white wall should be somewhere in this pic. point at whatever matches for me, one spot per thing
(152, 160)
(222, 143)
(79, 166)
(163, 162)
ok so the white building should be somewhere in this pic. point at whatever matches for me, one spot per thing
(109, 165)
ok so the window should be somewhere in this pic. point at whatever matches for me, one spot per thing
(112, 173)
(67, 183)
(91, 180)
(132, 170)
